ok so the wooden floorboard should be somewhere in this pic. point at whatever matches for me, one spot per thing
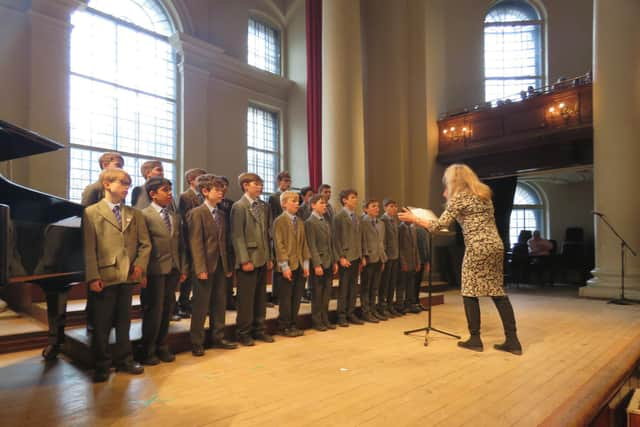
(371, 375)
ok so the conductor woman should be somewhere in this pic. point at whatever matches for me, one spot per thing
(469, 203)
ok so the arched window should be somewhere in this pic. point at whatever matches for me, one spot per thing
(122, 89)
(528, 211)
(513, 53)
(263, 46)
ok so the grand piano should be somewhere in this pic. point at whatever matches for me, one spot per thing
(40, 236)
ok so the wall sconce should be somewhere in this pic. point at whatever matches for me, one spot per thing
(457, 134)
(562, 110)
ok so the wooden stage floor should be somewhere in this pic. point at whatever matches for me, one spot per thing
(362, 375)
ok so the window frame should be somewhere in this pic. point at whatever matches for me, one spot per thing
(540, 210)
(542, 54)
(267, 21)
(140, 156)
(279, 154)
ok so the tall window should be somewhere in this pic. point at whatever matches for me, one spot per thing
(263, 146)
(263, 46)
(122, 89)
(512, 49)
(528, 212)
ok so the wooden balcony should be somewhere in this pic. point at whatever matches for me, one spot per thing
(550, 129)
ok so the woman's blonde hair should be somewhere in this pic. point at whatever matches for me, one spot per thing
(459, 177)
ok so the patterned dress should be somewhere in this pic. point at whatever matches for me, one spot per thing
(484, 252)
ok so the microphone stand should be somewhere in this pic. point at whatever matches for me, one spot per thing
(623, 244)
(429, 328)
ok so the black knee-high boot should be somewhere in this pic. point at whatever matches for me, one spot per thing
(472, 311)
(511, 343)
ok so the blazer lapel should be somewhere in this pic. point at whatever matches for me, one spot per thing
(103, 209)
(127, 216)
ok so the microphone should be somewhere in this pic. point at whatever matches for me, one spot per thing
(597, 213)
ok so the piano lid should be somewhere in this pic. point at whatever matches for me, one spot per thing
(14, 146)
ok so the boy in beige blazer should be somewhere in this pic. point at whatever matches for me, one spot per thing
(116, 254)
(167, 268)
(292, 268)
(211, 266)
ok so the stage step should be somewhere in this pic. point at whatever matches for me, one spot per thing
(78, 342)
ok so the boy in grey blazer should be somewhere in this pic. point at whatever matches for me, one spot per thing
(116, 254)
(149, 169)
(348, 244)
(373, 233)
(389, 280)
(409, 264)
(323, 263)
(250, 228)
(93, 193)
(207, 239)
(167, 268)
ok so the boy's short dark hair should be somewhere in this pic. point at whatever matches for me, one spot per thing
(305, 190)
(148, 166)
(386, 202)
(109, 157)
(155, 183)
(225, 179)
(283, 175)
(346, 193)
(248, 177)
(209, 181)
(369, 202)
(323, 186)
(194, 173)
(314, 199)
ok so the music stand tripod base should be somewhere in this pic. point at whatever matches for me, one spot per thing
(623, 301)
(429, 328)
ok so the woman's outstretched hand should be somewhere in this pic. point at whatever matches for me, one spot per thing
(407, 216)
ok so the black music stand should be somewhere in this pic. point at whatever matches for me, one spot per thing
(429, 328)
(622, 300)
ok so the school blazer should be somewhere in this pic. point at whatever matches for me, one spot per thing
(250, 237)
(111, 250)
(373, 240)
(289, 246)
(187, 201)
(391, 246)
(167, 247)
(274, 204)
(207, 240)
(408, 246)
(320, 242)
(346, 236)
(304, 211)
(92, 194)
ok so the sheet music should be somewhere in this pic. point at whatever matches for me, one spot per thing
(423, 214)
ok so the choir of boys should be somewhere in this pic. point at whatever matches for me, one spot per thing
(209, 236)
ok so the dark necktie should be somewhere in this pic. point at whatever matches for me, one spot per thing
(295, 224)
(165, 216)
(116, 212)
(255, 207)
(353, 219)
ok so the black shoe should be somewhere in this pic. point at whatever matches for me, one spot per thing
(330, 325)
(263, 336)
(287, 332)
(246, 341)
(321, 328)
(132, 367)
(305, 300)
(343, 323)
(388, 313)
(355, 320)
(176, 318)
(368, 317)
(151, 360)
(297, 332)
(415, 309)
(510, 347)
(51, 352)
(473, 343)
(379, 315)
(165, 355)
(184, 314)
(101, 375)
(394, 312)
(270, 304)
(224, 344)
(197, 350)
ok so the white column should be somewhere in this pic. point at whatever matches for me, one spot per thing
(616, 104)
(342, 102)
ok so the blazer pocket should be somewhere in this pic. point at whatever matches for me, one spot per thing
(252, 245)
(107, 262)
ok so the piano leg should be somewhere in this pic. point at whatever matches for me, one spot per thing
(57, 318)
